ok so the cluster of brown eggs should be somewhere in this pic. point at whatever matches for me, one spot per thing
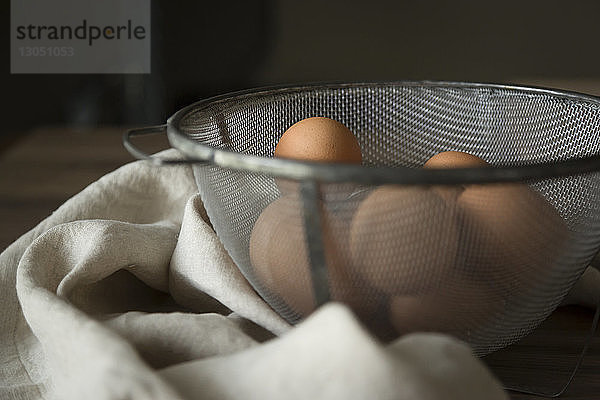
(409, 258)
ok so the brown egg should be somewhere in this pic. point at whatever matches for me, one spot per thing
(458, 308)
(319, 139)
(279, 256)
(510, 234)
(403, 240)
(453, 159)
(316, 139)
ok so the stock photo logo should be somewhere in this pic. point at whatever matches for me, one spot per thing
(80, 36)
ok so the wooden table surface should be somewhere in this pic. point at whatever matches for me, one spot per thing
(47, 166)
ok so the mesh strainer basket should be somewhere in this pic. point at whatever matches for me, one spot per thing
(485, 254)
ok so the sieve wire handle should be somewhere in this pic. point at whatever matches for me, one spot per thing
(142, 155)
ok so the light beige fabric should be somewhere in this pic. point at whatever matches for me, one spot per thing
(125, 292)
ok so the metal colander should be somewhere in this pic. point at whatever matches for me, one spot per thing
(485, 254)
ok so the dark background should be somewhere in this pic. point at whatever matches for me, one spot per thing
(202, 48)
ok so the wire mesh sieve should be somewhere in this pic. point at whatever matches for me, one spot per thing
(482, 254)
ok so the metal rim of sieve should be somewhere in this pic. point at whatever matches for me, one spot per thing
(197, 152)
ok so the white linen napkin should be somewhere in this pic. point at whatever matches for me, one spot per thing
(125, 292)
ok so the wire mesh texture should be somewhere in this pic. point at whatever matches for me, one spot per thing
(485, 262)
